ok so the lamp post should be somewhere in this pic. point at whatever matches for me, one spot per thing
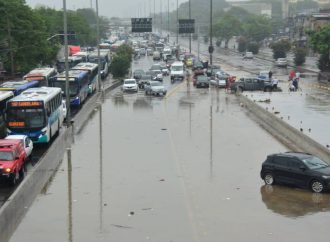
(189, 33)
(98, 45)
(66, 54)
(177, 22)
(211, 48)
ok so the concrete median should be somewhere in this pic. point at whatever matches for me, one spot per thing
(285, 133)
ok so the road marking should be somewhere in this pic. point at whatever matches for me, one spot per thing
(175, 89)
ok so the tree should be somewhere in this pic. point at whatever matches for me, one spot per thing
(319, 41)
(300, 56)
(227, 27)
(257, 27)
(280, 48)
(253, 47)
(242, 44)
(122, 61)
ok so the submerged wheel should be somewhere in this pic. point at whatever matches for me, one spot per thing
(317, 186)
(269, 179)
(14, 178)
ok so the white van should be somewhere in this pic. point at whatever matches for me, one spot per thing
(177, 71)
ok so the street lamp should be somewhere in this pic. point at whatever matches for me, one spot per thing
(211, 48)
(66, 54)
(190, 33)
(98, 45)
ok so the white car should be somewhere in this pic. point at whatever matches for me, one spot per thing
(27, 143)
(130, 85)
(281, 62)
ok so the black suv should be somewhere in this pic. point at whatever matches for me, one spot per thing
(298, 169)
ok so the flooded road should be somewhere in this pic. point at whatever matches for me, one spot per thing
(184, 168)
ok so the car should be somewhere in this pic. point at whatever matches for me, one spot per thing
(281, 62)
(143, 51)
(156, 55)
(202, 81)
(252, 84)
(26, 141)
(12, 160)
(164, 69)
(178, 71)
(219, 80)
(297, 169)
(149, 51)
(138, 73)
(212, 70)
(248, 55)
(155, 67)
(155, 88)
(130, 85)
(144, 79)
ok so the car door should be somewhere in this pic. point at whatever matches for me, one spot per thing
(298, 172)
(280, 169)
(248, 84)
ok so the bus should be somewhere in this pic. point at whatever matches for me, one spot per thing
(17, 87)
(42, 75)
(105, 61)
(78, 86)
(37, 113)
(83, 55)
(72, 61)
(4, 97)
(92, 69)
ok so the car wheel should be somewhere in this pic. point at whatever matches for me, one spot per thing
(268, 89)
(269, 179)
(317, 186)
(14, 178)
(22, 172)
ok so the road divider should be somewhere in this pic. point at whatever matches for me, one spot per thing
(285, 133)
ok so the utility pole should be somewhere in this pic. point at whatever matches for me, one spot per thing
(66, 54)
(161, 18)
(98, 45)
(168, 21)
(177, 23)
(211, 48)
(154, 21)
(10, 47)
(189, 33)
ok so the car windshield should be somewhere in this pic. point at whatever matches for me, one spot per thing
(201, 78)
(6, 155)
(177, 68)
(129, 82)
(137, 72)
(314, 163)
(155, 84)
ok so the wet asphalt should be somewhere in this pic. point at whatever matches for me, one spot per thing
(181, 168)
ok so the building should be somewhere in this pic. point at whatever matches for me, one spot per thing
(258, 8)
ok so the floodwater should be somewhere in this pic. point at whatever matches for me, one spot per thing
(181, 168)
(184, 168)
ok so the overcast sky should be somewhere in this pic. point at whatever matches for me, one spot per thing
(112, 8)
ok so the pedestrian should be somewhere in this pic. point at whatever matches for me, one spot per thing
(295, 83)
(270, 74)
(274, 83)
(291, 86)
(292, 75)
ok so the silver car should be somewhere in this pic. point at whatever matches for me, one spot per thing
(155, 88)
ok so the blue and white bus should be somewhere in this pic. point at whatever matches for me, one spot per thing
(78, 86)
(36, 112)
(92, 70)
(17, 87)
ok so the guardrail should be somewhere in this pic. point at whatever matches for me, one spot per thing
(13, 210)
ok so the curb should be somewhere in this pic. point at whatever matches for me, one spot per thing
(286, 134)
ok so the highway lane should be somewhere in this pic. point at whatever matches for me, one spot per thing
(181, 168)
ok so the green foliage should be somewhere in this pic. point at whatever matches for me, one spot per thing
(257, 27)
(227, 27)
(253, 47)
(122, 61)
(324, 62)
(300, 56)
(280, 48)
(320, 42)
(242, 44)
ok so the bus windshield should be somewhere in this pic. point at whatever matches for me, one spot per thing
(26, 118)
(73, 87)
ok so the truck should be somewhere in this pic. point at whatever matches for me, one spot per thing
(253, 84)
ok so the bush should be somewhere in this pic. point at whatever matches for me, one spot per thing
(218, 43)
(242, 44)
(324, 62)
(253, 47)
(300, 56)
(121, 62)
(280, 48)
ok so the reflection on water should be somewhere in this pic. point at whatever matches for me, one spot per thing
(294, 203)
(142, 103)
(119, 100)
